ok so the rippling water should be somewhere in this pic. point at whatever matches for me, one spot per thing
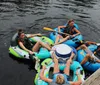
(33, 15)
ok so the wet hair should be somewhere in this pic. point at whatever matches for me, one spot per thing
(71, 20)
(60, 79)
(20, 31)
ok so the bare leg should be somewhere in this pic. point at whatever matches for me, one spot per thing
(63, 40)
(36, 47)
(67, 69)
(87, 57)
(57, 38)
(45, 45)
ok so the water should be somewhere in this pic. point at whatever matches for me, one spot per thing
(33, 15)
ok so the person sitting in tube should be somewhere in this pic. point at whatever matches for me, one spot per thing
(69, 29)
(25, 44)
(90, 56)
(59, 78)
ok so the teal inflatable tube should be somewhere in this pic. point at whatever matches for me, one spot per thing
(90, 66)
(70, 42)
(49, 63)
(43, 53)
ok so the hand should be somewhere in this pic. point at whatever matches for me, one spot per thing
(39, 34)
(43, 67)
(53, 49)
(30, 52)
(77, 73)
(73, 36)
(69, 61)
(68, 36)
(58, 27)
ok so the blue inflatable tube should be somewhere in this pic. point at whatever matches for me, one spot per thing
(73, 42)
(88, 65)
(70, 42)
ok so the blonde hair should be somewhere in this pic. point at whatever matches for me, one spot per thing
(60, 79)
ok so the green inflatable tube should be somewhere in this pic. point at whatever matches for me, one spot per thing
(43, 53)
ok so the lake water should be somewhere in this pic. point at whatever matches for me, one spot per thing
(32, 16)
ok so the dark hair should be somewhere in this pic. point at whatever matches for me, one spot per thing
(20, 31)
(71, 20)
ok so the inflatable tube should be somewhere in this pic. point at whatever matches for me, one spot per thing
(49, 63)
(43, 39)
(88, 65)
(15, 50)
(70, 42)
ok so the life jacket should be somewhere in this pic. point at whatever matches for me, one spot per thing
(69, 30)
(26, 42)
